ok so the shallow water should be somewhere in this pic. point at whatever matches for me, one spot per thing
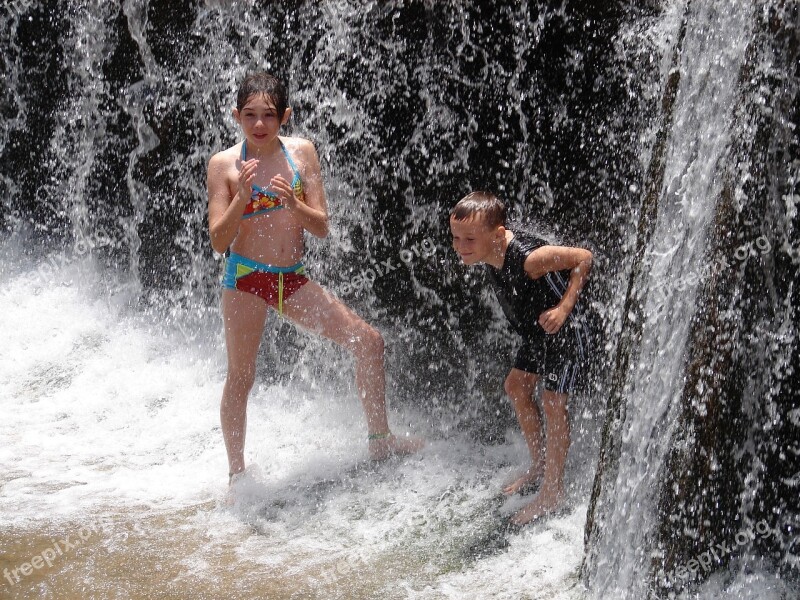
(114, 476)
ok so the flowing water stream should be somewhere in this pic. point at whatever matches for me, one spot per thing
(112, 465)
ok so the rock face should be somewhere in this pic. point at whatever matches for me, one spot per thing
(712, 479)
(411, 105)
(661, 135)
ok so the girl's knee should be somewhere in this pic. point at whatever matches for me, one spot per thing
(524, 406)
(370, 343)
(240, 381)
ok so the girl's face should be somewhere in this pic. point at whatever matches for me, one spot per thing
(259, 119)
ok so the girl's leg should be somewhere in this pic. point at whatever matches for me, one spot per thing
(520, 385)
(244, 316)
(315, 309)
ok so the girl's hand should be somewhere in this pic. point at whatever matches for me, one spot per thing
(551, 320)
(247, 173)
(285, 191)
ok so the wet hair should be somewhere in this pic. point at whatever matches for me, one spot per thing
(480, 205)
(263, 83)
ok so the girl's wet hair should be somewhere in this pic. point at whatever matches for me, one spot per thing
(266, 84)
(481, 205)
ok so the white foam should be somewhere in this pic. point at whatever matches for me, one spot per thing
(106, 412)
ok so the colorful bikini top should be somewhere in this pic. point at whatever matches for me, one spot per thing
(263, 200)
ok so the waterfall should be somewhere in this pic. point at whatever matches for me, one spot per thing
(664, 513)
(674, 265)
(662, 135)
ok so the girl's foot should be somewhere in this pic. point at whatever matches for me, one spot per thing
(383, 446)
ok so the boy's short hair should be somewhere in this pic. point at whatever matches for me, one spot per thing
(263, 83)
(483, 205)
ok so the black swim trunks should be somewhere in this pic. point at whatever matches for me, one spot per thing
(556, 358)
(552, 358)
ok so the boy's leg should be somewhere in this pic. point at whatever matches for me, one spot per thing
(520, 385)
(314, 308)
(551, 493)
(244, 316)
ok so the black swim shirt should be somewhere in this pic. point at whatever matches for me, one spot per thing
(523, 299)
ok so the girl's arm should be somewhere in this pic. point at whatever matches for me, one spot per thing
(225, 212)
(312, 209)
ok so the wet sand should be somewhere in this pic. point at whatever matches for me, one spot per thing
(144, 554)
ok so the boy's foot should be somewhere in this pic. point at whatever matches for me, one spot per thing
(382, 448)
(528, 479)
(544, 503)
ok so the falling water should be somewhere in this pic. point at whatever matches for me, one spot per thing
(703, 243)
(711, 59)
(113, 361)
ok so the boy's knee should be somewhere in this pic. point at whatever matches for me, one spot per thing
(516, 386)
(511, 386)
(553, 402)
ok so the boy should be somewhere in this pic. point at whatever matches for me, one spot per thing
(263, 194)
(538, 287)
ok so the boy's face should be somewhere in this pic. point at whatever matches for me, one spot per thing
(474, 240)
(259, 118)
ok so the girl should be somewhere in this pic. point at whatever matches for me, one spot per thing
(263, 193)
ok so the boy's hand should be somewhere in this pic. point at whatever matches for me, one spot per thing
(285, 191)
(552, 319)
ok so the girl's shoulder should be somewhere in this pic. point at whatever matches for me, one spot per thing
(297, 145)
(304, 154)
(226, 158)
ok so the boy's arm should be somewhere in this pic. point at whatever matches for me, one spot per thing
(312, 209)
(547, 259)
(224, 212)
